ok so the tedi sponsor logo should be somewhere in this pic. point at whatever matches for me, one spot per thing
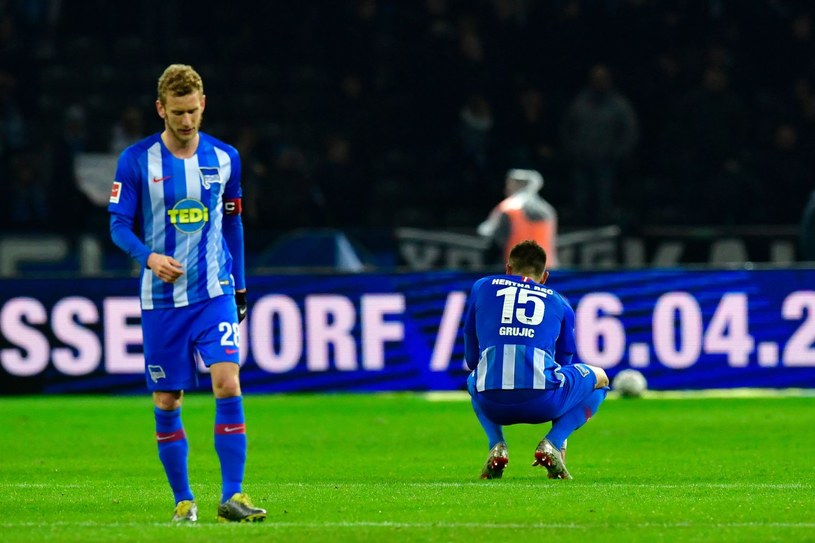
(188, 215)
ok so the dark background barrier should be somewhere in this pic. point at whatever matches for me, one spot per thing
(377, 114)
(381, 332)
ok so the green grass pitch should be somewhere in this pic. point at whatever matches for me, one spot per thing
(404, 467)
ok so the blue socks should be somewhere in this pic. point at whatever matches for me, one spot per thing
(172, 450)
(230, 443)
(495, 433)
(570, 421)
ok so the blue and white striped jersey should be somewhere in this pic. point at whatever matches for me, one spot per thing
(524, 331)
(176, 207)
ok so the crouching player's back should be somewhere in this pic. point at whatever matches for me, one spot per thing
(519, 340)
(520, 325)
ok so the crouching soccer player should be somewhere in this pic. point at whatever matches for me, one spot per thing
(175, 208)
(519, 342)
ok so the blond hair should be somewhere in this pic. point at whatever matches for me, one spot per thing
(179, 80)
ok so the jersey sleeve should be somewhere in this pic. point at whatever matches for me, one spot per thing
(232, 223)
(123, 205)
(565, 347)
(233, 184)
(121, 232)
(124, 195)
(471, 348)
(233, 235)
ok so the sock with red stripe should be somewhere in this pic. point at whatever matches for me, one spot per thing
(230, 443)
(172, 450)
(573, 419)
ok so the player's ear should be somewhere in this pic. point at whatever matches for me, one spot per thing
(203, 101)
(544, 277)
(509, 269)
(160, 110)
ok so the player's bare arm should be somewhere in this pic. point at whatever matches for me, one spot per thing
(167, 268)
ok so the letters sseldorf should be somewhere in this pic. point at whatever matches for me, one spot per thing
(650, 320)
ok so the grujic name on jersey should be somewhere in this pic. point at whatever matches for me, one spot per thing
(525, 332)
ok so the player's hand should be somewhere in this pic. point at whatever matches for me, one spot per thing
(166, 268)
(240, 301)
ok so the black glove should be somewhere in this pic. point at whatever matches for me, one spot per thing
(240, 301)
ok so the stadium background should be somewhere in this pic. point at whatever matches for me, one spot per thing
(370, 130)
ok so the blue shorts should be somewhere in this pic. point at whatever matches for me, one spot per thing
(534, 406)
(173, 336)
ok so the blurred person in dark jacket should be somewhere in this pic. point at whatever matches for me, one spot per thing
(600, 130)
(70, 209)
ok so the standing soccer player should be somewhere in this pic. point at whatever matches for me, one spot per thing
(519, 342)
(175, 208)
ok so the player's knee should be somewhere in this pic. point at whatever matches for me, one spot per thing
(226, 386)
(225, 379)
(602, 378)
(167, 401)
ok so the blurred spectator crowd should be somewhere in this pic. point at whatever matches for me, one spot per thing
(377, 113)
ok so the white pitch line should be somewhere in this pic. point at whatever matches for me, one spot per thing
(271, 524)
(764, 486)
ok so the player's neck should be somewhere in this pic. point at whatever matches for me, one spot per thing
(180, 149)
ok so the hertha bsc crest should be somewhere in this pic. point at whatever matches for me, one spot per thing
(156, 373)
(209, 176)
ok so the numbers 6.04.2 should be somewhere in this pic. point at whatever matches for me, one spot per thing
(679, 335)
